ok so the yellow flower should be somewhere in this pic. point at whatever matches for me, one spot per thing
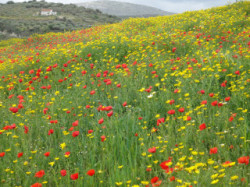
(194, 152)
(118, 183)
(145, 182)
(214, 176)
(63, 145)
(179, 181)
(65, 133)
(157, 115)
(235, 177)
(210, 162)
(52, 163)
(215, 181)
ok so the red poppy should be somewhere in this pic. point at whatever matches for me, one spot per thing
(213, 150)
(159, 121)
(223, 84)
(158, 183)
(103, 138)
(19, 155)
(75, 123)
(181, 110)
(164, 165)
(172, 178)
(63, 172)
(202, 126)
(171, 102)
(124, 104)
(176, 90)
(40, 174)
(237, 72)
(45, 110)
(204, 102)
(36, 185)
(90, 131)
(202, 91)
(75, 133)
(100, 121)
(13, 126)
(171, 112)
(26, 129)
(152, 150)
(74, 176)
(227, 99)
(67, 153)
(51, 131)
(148, 169)
(214, 103)
(91, 172)
(220, 104)
(211, 94)
(2, 154)
(188, 118)
(231, 118)
(174, 49)
(14, 109)
(243, 179)
(154, 180)
(71, 128)
(47, 154)
(92, 92)
(110, 114)
(243, 160)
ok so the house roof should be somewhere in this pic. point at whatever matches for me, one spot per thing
(46, 10)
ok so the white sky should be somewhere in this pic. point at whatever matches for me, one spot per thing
(177, 6)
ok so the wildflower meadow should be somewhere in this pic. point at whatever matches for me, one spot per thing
(158, 101)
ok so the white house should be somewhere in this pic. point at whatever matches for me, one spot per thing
(47, 12)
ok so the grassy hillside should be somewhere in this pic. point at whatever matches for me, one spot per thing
(24, 19)
(147, 102)
(124, 10)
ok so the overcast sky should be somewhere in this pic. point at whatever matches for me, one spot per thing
(168, 5)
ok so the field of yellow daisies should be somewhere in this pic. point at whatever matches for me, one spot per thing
(146, 102)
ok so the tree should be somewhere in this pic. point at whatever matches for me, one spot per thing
(10, 2)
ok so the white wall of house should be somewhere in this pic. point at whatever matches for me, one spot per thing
(48, 13)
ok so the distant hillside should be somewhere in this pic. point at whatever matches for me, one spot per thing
(122, 9)
(24, 19)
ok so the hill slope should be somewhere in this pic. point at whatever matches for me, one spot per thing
(123, 9)
(146, 102)
(24, 19)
